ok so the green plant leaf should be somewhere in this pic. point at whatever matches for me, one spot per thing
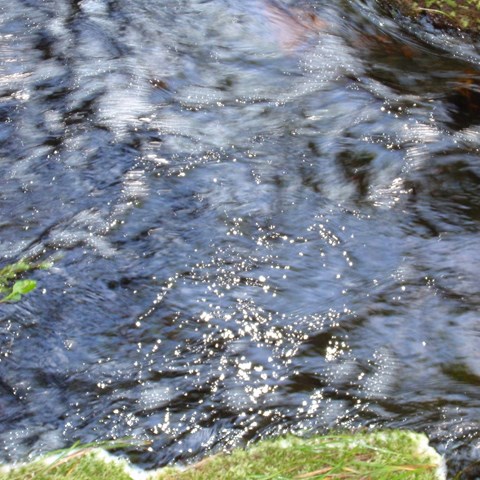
(12, 297)
(20, 287)
(24, 286)
(11, 287)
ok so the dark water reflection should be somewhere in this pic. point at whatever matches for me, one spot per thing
(248, 240)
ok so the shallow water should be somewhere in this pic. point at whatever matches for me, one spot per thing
(248, 239)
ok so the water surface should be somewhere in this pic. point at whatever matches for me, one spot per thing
(251, 235)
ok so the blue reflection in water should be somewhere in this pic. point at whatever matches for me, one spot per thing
(263, 219)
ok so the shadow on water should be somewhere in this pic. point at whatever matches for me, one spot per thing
(264, 218)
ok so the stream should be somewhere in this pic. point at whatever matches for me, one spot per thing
(263, 218)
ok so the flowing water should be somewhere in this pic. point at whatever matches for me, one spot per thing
(259, 224)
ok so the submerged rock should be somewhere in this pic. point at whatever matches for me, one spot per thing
(291, 27)
(472, 472)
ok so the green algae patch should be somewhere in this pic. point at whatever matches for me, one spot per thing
(377, 456)
(463, 15)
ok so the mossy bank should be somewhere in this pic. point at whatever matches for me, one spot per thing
(387, 455)
(463, 15)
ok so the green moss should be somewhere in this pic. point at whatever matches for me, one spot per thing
(377, 456)
(463, 15)
(89, 465)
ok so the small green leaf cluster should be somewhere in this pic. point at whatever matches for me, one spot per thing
(12, 287)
